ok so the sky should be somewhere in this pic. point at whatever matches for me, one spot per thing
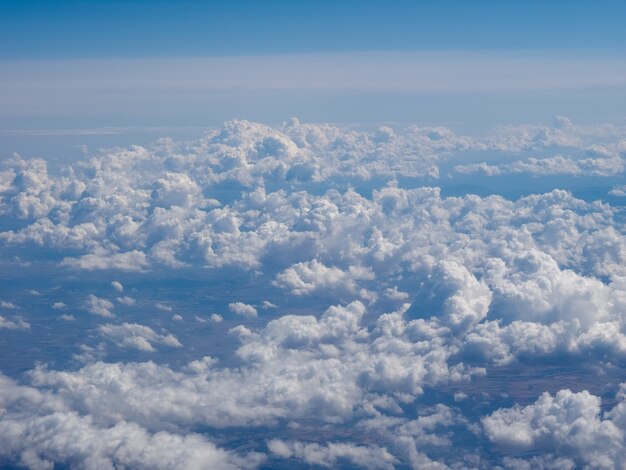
(471, 65)
(289, 234)
(84, 29)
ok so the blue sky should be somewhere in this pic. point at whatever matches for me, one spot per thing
(468, 65)
(61, 29)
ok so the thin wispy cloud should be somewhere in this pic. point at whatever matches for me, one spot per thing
(418, 72)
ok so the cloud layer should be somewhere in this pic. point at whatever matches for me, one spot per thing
(374, 302)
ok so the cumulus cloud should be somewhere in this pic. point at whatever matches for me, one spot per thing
(395, 294)
(563, 148)
(16, 323)
(297, 368)
(604, 165)
(383, 298)
(619, 191)
(567, 424)
(39, 431)
(242, 309)
(454, 296)
(162, 306)
(125, 300)
(530, 263)
(313, 276)
(135, 336)
(99, 306)
(129, 261)
(131, 209)
(330, 455)
(175, 189)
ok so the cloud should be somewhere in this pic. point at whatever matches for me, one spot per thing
(296, 368)
(175, 189)
(99, 306)
(125, 300)
(567, 424)
(384, 300)
(14, 324)
(415, 72)
(162, 306)
(140, 208)
(454, 296)
(39, 431)
(135, 336)
(243, 309)
(610, 165)
(314, 277)
(329, 455)
(516, 277)
(130, 261)
(395, 294)
(619, 191)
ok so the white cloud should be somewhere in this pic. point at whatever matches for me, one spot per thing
(176, 189)
(126, 300)
(329, 455)
(134, 211)
(13, 324)
(129, 261)
(568, 424)
(135, 336)
(556, 165)
(485, 282)
(297, 367)
(38, 431)
(243, 309)
(454, 296)
(395, 294)
(99, 306)
(314, 277)
(618, 191)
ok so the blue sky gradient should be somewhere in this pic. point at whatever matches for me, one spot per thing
(62, 29)
(468, 65)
